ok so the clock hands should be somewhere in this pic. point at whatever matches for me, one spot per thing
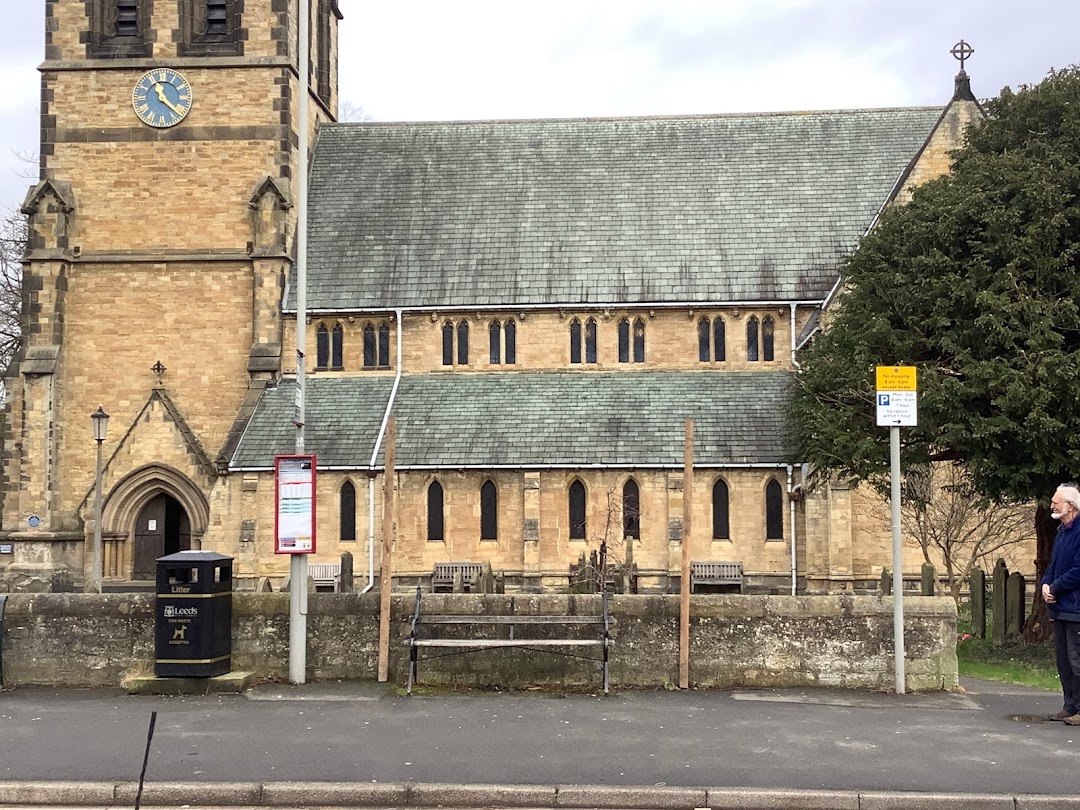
(164, 99)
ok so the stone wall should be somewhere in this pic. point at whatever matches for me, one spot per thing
(758, 641)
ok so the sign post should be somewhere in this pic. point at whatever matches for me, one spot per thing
(294, 534)
(897, 406)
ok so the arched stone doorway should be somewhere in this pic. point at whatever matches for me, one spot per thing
(162, 528)
(154, 510)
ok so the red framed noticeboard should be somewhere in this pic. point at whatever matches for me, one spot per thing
(294, 504)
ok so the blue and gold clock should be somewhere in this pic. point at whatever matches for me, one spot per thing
(161, 98)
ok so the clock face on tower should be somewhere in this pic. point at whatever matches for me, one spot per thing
(161, 98)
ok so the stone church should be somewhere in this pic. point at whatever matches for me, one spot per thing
(539, 305)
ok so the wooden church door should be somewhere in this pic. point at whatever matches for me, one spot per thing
(162, 528)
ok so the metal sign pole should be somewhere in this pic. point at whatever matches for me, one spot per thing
(897, 406)
(897, 571)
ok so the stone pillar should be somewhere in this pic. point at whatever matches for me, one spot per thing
(675, 527)
(530, 528)
(840, 541)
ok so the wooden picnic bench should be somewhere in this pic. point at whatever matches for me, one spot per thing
(478, 634)
(715, 572)
(442, 577)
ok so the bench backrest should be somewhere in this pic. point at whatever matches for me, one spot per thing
(716, 571)
(324, 571)
(444, 572)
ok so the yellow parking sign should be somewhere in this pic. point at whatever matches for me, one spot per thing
(896, 378)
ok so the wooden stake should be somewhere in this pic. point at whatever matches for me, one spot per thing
(684, 582)
(385, 575)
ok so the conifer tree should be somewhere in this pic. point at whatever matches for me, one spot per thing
(976, 282)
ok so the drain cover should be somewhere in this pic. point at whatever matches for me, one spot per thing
(1029, 718)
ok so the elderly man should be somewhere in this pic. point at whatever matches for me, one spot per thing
(1061, 592)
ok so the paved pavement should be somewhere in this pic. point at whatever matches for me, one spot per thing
(988, 740)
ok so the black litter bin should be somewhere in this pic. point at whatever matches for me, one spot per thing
(193, 615)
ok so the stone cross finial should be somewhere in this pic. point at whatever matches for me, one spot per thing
(159, 370)
(962, 51)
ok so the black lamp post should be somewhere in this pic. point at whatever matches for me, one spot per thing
(100, 421)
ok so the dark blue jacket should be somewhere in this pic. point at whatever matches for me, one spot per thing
(1063, 575)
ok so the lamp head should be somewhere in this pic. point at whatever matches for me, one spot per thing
(100, 421)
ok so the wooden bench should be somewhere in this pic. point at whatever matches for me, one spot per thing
(325, 575)
(715, 572)
(473, 640)
(442, 578)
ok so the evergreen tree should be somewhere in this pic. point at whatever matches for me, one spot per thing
(976, 282)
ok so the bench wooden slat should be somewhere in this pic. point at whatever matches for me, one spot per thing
(506, 642)
(485, 619)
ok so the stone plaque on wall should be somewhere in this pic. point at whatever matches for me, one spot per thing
(674, 529)
(530, 529)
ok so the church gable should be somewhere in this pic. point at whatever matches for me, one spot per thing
(692, 209)
(160, 435)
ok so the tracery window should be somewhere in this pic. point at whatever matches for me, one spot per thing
(589, 341)
(502, 336)
(711, 340)
(460, 335)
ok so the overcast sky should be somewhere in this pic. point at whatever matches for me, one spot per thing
(478, 59)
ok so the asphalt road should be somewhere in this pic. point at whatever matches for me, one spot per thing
(798, 739)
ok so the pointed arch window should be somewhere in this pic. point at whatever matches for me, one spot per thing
(322, 347)
(337, 342)
(624, 340)
(489, 511)
(369, 346)
(720, 528)
(639, 340)
(448, 344)
(575, 341)
(347, 513)
(384, 345)
(631, 509)
(752, 339)
(463, 343)
(704, 338)
(495, 342)
(767, 342)
(577, 510)
(510, 339)
(435, 512)
(774, 511)
(590, 340)
(719, 341)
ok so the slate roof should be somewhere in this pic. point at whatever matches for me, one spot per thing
(646, 210)
(529, 419)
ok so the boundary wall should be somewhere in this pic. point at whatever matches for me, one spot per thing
(735, 640)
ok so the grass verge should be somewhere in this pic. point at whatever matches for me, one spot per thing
(1014, 662)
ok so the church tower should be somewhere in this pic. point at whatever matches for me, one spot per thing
(161, 233)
